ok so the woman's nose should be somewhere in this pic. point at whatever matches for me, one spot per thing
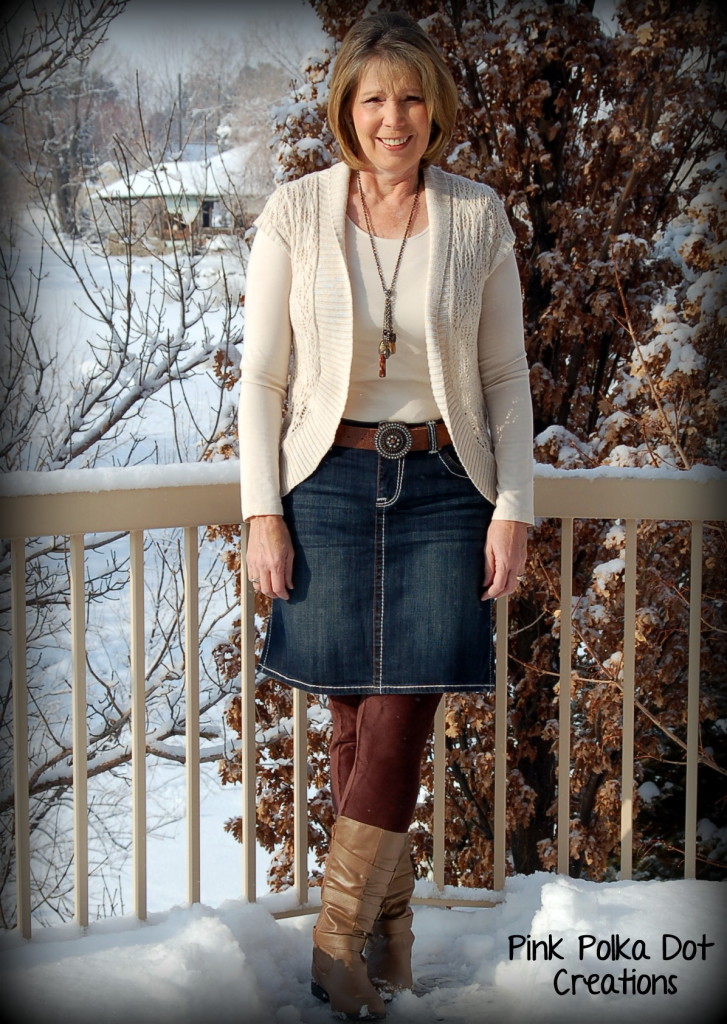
(394, 113)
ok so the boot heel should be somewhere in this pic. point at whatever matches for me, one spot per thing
(318, 992)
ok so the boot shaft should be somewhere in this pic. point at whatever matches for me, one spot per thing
(361, 864)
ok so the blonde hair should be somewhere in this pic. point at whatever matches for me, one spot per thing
(402, 46)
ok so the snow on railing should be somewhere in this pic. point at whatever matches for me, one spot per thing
(135, 500)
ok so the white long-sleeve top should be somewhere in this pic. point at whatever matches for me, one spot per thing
(314, 310)
(405, 394)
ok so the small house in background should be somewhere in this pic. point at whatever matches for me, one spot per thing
(184, 199)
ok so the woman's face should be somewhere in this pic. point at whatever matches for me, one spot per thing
(390, 119)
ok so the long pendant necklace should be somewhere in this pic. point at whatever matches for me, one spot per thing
(387, 346)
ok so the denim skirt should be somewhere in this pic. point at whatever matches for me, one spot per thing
(387, 579)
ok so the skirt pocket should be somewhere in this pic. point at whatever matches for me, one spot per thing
(450, 460)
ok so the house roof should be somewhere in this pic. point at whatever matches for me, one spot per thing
(190, 179)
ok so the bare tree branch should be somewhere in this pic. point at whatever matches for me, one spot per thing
(37, 40)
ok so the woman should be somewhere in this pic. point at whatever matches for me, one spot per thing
(386, 453)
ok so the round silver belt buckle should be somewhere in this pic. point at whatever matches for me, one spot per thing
(393, 440)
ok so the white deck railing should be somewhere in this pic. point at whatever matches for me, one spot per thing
(77, 503)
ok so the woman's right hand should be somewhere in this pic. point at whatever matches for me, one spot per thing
(270, 556)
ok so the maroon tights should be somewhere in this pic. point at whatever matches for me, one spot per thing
(376, 755)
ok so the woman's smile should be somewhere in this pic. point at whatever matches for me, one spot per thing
(395, 143)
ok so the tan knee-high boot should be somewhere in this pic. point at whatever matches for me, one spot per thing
(360, 866)
(388, 950)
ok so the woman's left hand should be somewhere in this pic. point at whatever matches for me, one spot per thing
(506, 549)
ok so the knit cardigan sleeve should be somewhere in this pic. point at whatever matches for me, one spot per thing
(506, 387)
(264, 371)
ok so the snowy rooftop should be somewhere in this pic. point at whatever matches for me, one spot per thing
(207, 179)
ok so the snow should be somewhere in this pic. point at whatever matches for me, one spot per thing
(606, 570)
(110, 478)
(616, 537)
(673, 341)
(648, 791)
(710, 290)
(706, 829)
(697, 474)
(235, 962)
(207, 178)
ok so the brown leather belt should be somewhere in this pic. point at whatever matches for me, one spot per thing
(394, 440)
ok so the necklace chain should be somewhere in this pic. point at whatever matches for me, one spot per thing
(387, 345)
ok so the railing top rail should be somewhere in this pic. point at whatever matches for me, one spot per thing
(66, 502)
(615, 492)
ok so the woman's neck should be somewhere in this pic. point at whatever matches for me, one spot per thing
(389, 201)
(380, 187)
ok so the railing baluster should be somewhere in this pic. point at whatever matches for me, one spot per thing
(191, 688)
(20, 737)
(501, 667)
(247, 726)
(695, 643)
(439, 768)
(564, 694)
(138, 722)
(80, 729)
(627, 712)
(300, 795)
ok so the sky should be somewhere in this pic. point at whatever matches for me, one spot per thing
(145, 25)
(142, 16)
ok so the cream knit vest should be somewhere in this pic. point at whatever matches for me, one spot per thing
(470, 235)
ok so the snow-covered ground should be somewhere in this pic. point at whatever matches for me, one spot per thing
(236, 962)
